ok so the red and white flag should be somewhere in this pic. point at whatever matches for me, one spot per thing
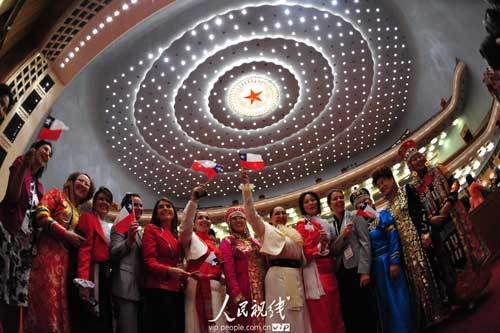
(124, 219)
(52, 129)
(209, 168)
(251, 161)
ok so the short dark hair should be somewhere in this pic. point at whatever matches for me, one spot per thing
(469, 179)
(107, 194)
(6, 91)
(381, 172)
(329, 197)
(301, 202)
(156, 221)
(72, 177)
(128, 197)
(37, 144)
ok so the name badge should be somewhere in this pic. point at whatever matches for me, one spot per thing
(348, 254)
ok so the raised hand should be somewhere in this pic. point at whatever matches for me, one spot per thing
(132, 232)
(198, 192)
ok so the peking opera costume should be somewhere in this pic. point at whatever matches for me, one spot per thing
(460, 252)
(282, 246)
(204, 296)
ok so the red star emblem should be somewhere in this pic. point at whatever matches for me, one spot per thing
(254, 96)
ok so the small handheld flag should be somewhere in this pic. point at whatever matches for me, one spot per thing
(251, 161)
(52, 129)
(209, 168)
(124, 218)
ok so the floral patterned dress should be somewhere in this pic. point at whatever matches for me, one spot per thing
(48, 299)
(17, 237)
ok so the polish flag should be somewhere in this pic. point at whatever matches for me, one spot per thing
(52, 129)
(251, 161)
(209, 168)
(124, 219)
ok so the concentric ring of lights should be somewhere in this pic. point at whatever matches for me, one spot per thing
(371, 82)
(250, 138)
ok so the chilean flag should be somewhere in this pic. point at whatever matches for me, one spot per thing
(251, 161)
(124, 219)
(209, 168)
(52, 129)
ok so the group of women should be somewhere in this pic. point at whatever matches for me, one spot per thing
(400, 269)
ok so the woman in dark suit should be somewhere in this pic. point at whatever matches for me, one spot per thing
(163, 278)
(94, 264)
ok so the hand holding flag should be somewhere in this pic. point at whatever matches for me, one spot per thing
(251, 161)
(124, 219)
(209, 168)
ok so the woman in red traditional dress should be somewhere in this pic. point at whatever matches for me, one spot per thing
(204, 291)
(322, 293)
(163, 278)
(244, 270)
(57, 215)
(94, 265)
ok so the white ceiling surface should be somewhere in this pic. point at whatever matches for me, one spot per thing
(340, 81)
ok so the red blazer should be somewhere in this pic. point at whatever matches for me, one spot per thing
(160, 250)
(95, 248)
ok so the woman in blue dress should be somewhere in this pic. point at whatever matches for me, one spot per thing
(391, 287)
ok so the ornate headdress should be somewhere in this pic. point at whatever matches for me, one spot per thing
(407, 150)
(235, 211)
(358, 196)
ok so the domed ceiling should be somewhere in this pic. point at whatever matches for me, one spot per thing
(306, 85)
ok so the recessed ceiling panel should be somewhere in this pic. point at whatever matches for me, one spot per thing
(304, 85)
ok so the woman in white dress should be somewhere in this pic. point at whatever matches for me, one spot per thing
(204, 291)
(282, 246)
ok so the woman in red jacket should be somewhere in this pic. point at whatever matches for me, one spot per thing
(163, 278)
(93, 262)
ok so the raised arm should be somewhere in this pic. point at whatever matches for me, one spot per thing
(186, 228)
(252, 216)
